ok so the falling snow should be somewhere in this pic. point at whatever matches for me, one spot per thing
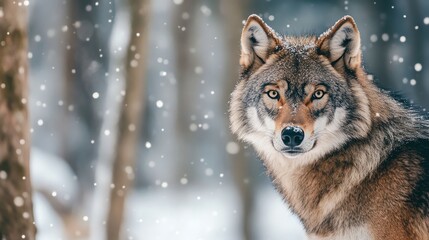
(418, 67)
(208, 172)
(206, 10)
(159, 104)
(18, 201)
(184, 147)
(232, 148)
(184, 181)
(3, 175)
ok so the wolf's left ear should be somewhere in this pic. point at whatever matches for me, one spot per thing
(341, 45)
(258, 41)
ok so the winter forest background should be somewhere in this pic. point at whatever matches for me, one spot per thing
(128, 111)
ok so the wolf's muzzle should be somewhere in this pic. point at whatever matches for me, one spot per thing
(292, 136)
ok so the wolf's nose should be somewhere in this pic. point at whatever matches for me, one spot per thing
(292, 136)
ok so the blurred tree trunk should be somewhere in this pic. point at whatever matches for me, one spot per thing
(382, 15)
(233, 13)
(84, 74)
(184, 17)
(130, 118)
(16, 210)
(86, 63)
(418, 52)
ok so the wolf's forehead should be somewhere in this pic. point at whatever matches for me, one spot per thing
(297, 63)
(295, 66)
(298, 52)
(303, 45)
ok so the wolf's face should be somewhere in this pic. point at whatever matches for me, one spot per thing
(299, 97)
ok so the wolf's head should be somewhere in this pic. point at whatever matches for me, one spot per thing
(300, 97)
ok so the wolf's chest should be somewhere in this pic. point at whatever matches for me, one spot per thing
(354, 233)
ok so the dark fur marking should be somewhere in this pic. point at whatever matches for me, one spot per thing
(398, 97)
(419, 197)
(346, 42)
(296, 64)
(338, 59)
(253, 40)
(260, 59)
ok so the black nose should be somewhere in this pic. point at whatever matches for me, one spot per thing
(292, 136)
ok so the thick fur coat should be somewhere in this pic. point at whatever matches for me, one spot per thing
(350, 161)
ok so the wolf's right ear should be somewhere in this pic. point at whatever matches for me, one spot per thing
(258, 41)
(341, 45)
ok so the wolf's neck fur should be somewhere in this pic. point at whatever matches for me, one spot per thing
(316, 191)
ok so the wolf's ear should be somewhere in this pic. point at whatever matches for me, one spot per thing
(258, 41)
(341, 45)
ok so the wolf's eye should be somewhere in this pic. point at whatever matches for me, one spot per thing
(318, 94)
(273, 94)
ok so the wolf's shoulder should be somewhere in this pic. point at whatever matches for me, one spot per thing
(419, 197)
(415, 161)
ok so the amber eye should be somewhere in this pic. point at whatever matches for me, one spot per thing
(273, 94)
(318, 94)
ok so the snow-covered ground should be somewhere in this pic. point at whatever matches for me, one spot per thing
(207, 214)
(194, 214)
(204, 212)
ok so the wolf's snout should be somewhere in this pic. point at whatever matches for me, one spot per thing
(292, 136)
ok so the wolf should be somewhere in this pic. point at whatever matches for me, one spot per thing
(349, 160)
